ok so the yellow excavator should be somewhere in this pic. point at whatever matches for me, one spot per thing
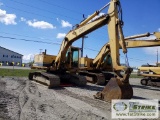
(66, 66)
(43, 61)
(151, 74)
(98, 70)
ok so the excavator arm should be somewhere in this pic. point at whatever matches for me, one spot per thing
(130, 43)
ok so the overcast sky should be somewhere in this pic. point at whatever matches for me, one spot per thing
(25, 22)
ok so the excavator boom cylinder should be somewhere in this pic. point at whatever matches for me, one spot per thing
(138, 36)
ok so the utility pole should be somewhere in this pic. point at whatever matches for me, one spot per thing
(157, 56)
(40, 51)
(83, 45)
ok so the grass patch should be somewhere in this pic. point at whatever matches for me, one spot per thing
(135, 76)
(25, 73)
(15, 72)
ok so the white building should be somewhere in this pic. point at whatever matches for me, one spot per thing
(9, 57)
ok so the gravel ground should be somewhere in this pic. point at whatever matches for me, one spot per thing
(21, 99)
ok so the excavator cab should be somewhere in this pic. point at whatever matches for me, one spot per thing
(72, 57)
(108, 60)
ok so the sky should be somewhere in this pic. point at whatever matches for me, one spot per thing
(31, 26)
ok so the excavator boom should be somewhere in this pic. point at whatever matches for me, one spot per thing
(130, 43)
(85, 27)
(78, 33)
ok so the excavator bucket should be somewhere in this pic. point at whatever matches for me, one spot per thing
(115, 89)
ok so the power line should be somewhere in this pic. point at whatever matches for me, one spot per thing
(25, 36)
(20, 10)
(59, 6)
(49, 4)
(134, 59)
(37, 41)
(42, 10)
(29, 40)
(92, 49)
(36, 38)
(41, 39)
(38, 9)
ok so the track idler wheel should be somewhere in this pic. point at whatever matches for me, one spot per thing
(115, 89)
(144, 82)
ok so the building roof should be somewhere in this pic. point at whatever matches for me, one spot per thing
(11, 50)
